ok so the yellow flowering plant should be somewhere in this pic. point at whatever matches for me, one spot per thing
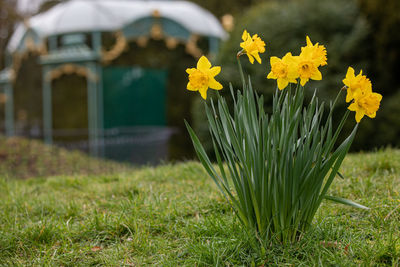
(359, 90)
(202, 77)
(252, 46)
(275, 169)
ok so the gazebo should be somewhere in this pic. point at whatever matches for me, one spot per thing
(71, 39)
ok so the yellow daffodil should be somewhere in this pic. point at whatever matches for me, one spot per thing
(202, 77)
(307, 68)
(283, 70)
(356, 85)
(366, 104)
(318, 52)
(310, 58)
(252, 46)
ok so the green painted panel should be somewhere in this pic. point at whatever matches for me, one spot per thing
(134, 96)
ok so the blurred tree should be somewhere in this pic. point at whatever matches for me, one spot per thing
(46, 5)
(384, 39)
(8, 18)
(350, 41)
(384, 19)
(220, 8)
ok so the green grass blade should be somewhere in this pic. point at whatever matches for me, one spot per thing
(346, 202)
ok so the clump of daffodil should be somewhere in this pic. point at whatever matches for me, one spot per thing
(359, 89)
(202, 77)
(278, 201)
(252, 46)
(356, 85)
(283, 70)
(310, 58)
(305, 66)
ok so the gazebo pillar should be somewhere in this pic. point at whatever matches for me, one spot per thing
(93, 116)
(6, 82)
(9, 109)
(47, 107)
(98, 70)
(213, 44)
(100, 110)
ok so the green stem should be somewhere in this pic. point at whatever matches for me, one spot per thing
(241, 71)
(334, 103)
(337, 97)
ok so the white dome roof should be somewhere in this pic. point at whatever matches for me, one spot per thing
(110, 15)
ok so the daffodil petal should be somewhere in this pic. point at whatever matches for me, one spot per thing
(213, 84)
(203, 92)
(352, 107)
(316, 75)
(359, 115)
(257, 57)
(214, 71)
(349, 96)
(251, 59)
(308, 41)
(273, 60)
(350, 72)
(203, 64)
(244, 35)
(271, 76)
(282, 83)
(190, 70)
(288, 58)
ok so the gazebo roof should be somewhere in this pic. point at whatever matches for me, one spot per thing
(110, 15)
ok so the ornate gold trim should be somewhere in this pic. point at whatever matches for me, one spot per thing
(228, 22)
(171, 42)
(192, 48)
(12, 75)
(71, 69)
(142, 41)
(119, 47)
(31, 48)
(3, 98)
(156, 31)
(156, 13)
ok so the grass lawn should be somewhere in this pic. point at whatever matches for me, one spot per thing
(173, 215)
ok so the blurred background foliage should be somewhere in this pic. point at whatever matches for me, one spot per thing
(220, 8)
(362, 34)
(8, 17)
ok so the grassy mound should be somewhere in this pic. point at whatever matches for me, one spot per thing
(24, 158)
(173, 215)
